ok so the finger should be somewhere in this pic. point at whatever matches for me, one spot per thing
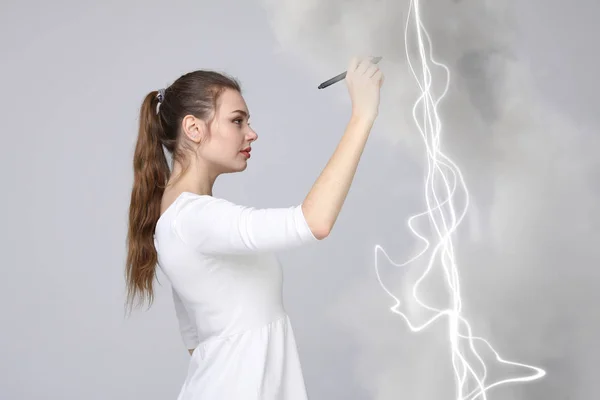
(353, 64)
(363, 66)
(371, 70)
(380, 77)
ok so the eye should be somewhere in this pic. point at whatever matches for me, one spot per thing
(238, 121)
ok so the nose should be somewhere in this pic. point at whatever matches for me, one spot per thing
(252, 135)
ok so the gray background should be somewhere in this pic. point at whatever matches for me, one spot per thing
(522, 122)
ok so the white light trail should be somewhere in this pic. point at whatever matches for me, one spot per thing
(443, 179)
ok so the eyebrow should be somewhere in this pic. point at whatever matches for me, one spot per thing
(244, 113)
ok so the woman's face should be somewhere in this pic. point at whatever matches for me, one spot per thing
(226, 147)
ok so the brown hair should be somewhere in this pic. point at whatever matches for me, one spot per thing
(195, 93)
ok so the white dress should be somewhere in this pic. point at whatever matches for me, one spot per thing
(227, 290)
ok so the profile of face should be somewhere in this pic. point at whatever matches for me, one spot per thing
(224, 143)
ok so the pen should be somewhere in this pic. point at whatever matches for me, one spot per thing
(343, 75)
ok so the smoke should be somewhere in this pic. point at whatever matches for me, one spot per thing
(528, 251)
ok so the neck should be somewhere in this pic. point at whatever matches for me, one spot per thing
(195, 179)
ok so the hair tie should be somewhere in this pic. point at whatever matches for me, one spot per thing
(161, 95)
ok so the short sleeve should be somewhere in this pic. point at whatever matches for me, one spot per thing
(217, 226)
(187, 326)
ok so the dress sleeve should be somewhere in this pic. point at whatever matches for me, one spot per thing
(187, 327)
(217, 226)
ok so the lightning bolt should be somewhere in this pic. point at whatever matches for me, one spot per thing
(443, 180)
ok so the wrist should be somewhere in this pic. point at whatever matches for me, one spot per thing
(366, 120)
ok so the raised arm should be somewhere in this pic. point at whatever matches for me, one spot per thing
(324, 202)
(217, 226)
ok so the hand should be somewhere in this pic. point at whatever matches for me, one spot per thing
(364, 81)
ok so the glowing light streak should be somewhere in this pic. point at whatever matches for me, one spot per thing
(442, 181)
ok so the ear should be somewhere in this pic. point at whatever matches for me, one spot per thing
(193, 128)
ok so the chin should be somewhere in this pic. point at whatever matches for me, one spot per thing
(236, 168)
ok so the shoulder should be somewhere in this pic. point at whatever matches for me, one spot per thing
(194, 208)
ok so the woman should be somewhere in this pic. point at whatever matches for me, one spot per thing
(217, 255)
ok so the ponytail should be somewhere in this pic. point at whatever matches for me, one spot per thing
(151, 174)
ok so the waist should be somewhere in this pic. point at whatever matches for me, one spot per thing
(234, 330)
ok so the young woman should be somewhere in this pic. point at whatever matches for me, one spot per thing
(217, 255)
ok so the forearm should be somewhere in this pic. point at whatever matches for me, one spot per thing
(323, 203)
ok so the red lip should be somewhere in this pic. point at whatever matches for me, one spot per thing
(246, 152)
